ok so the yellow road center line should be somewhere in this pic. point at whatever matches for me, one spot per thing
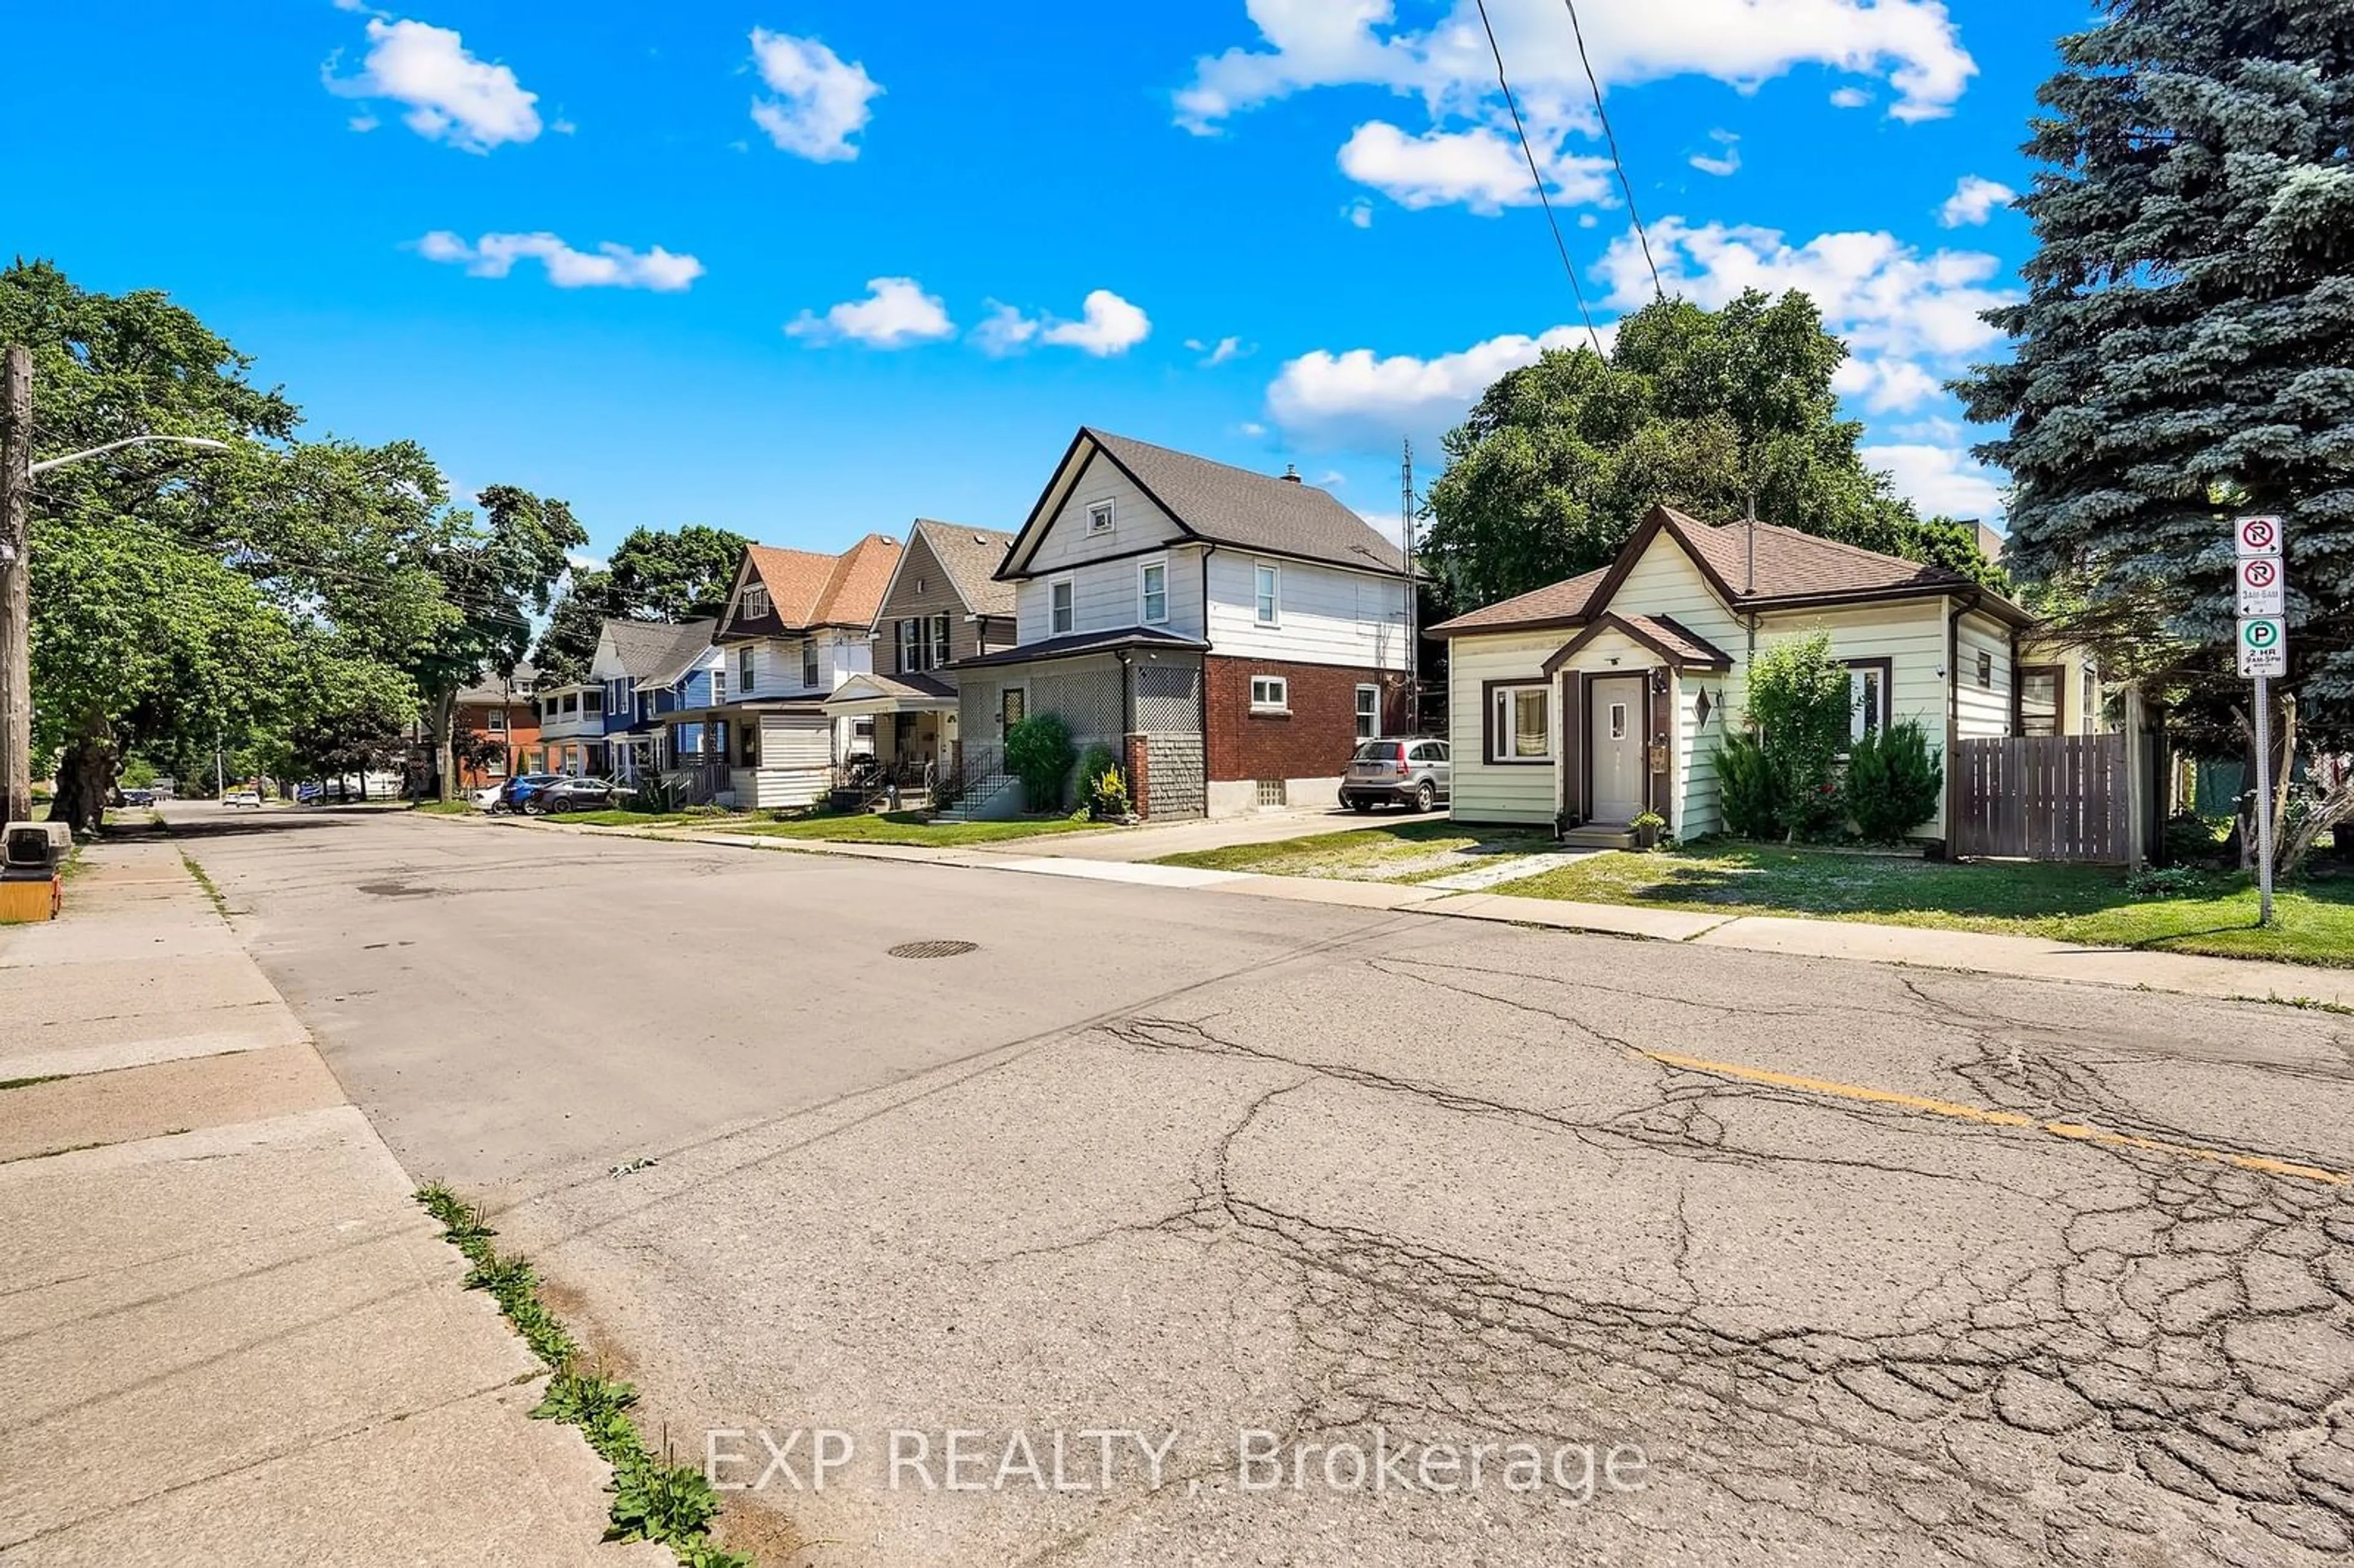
(2074, 1130)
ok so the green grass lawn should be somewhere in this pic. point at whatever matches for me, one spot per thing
(1418, 850)
(2065, 902)
(909, 827)
(445, 808)
(615, 817)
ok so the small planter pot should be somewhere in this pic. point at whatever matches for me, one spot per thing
(1647, 837)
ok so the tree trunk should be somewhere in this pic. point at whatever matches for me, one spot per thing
(445, 754)
(85, 778)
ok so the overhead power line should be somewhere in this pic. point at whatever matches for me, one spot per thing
(1610, 137)
(1537, 177)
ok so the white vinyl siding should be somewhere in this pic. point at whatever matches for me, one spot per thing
(1911, 635)
(1106, 596)
(1136, 523)
(1984, 711)
(1329, 615)
(795, 762)
(1484, 792)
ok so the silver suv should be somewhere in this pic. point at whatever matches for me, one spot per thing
(1408, 772)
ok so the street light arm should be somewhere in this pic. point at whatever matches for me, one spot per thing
(200, 441)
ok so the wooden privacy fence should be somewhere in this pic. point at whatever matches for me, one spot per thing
(2061, 797)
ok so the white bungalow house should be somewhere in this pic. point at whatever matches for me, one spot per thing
(1593, 700)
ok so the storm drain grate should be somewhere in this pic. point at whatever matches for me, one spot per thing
(932, 950)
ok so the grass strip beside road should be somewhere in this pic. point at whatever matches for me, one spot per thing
(1419, 850)
(2084, 904)
(909, 827)
(652, 1500)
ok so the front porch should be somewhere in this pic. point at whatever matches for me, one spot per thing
(1637, 703)
(903, 737)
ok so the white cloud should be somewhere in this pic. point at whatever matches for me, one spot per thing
(1220, 351)
(1358, 400)
(451, 96)
(1912, 45)
(1974, 201)
(1108, 324)
(1004, 330)
(1939, 478)
(821, 102)
(896, 313)
(1725, 161)
(609, 266)
(1910, 319)
(1850, 98)
(1479, 168)
(1886, 386)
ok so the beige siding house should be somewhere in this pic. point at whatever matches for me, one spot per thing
(1593, 700)
(943, 604)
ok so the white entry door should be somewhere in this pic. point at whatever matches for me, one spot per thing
(1614, 746)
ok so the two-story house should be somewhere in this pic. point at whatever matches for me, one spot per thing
(1231, 635)
(642, 671)
(496, 707)
(572, 728)
(798, 624)
(944, 604)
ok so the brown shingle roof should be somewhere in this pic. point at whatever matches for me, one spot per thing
(971, 556)
(1556, 604)
(1791, 568)
(813, 589)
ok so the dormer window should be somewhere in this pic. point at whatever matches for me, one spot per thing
(1098, 517)
(756, 602)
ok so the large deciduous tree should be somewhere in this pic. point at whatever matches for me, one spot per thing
(1698, 409)
(667, 574)
(2186, 351)
(497, 573)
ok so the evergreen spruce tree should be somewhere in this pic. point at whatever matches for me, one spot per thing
(2186, 351)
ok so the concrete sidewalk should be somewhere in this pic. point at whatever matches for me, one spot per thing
(229, 1335)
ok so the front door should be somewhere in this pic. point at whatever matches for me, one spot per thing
(1012, 702)
(1614, 718)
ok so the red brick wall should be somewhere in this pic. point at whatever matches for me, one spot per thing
(1313, 740)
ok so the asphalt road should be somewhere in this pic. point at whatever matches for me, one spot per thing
(1845, 1263)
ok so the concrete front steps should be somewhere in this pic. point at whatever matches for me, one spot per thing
(1598, 836)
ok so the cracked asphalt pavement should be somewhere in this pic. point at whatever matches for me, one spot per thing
(1872, 1266)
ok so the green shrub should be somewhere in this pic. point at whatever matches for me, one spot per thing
(1107, 796)
(651, 796)
(1094, 763)
(1893, 783)
(1038, 752)
(2192, 840)
(1744, 789)
(1800, 702)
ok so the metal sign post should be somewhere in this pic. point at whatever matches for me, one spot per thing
(2263, 575)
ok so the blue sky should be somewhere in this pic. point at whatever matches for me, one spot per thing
(869, 264)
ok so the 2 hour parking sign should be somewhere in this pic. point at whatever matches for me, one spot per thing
(2263, 646)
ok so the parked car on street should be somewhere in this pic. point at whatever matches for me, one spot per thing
(575, 795)
(139, 797)
(1409, 772)
(515, 794)
(487, 796)
(242, 797)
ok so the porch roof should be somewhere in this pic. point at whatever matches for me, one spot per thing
(866, 696)
(1678, 645)
(1077, 644)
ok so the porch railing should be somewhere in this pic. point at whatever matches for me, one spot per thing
(974, 772)
(698, 783)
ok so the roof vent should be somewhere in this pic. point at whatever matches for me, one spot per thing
(1291, 473)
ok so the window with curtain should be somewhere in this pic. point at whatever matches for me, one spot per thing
(1867, 690)
(1522, 727)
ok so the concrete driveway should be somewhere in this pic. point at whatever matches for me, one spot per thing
(1839, 1262)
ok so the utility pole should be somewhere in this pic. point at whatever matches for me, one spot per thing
(1412, 592)
(15, 584)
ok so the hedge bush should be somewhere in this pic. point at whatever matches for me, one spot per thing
(1893, 783)
(1038, 752)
